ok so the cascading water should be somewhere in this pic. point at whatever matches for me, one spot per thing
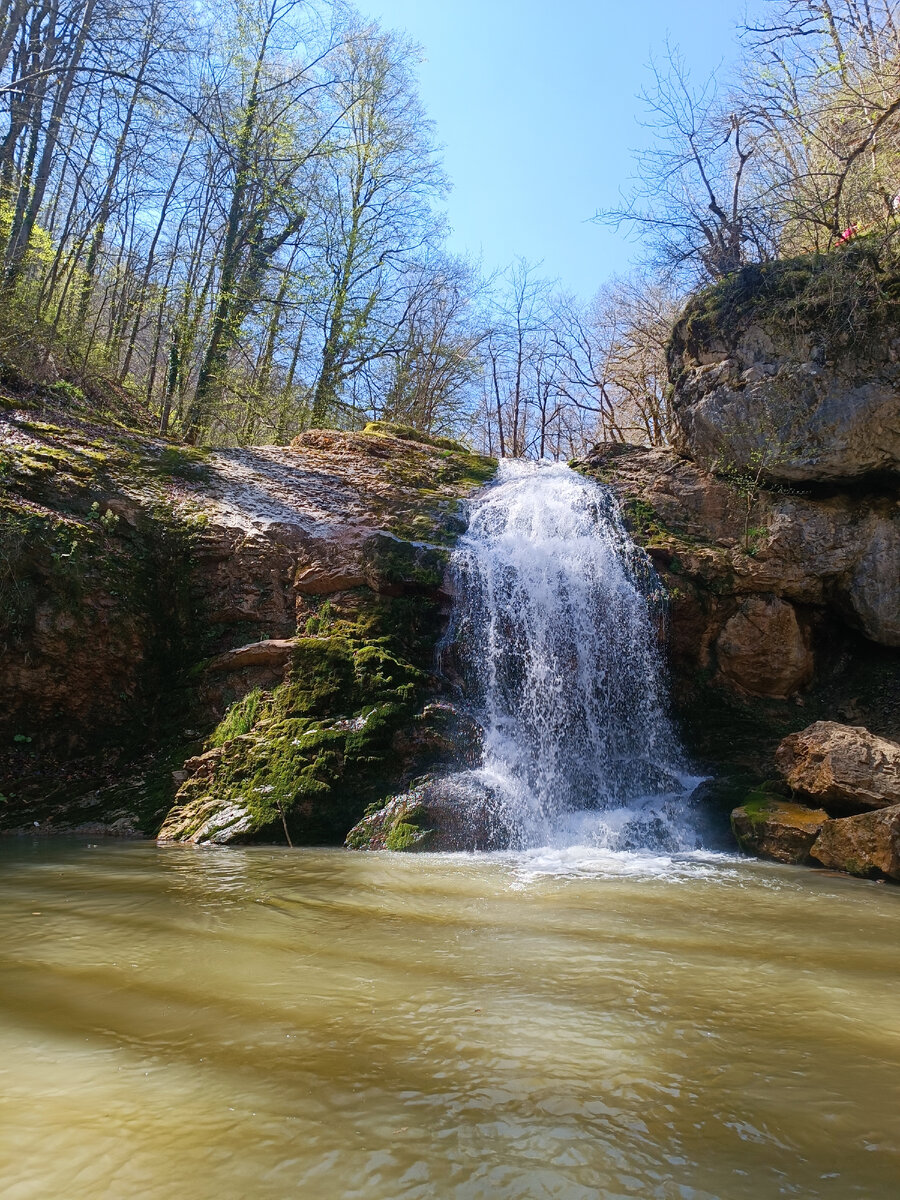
(558, 655)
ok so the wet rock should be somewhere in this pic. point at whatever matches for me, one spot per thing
(843, 768)
(209, 824)
(443, 734)
(453, 813)
(200, 819)
(773, 828)
(867, 845)
(764, 650)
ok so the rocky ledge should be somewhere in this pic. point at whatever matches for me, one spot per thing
(853, 779)
(252, 628)
(791, 371)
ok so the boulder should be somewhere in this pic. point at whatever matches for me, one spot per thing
(867, 845)
(844, 768)
(791, 369)
(452, 813)
(764, 650)
(778, 829)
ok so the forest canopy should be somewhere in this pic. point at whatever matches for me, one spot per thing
(233, 216)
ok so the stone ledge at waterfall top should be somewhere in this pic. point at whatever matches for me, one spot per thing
(202, 600)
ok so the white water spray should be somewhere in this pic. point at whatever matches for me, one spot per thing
(555, 632)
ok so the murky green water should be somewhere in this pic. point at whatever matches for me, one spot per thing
(261, 1023)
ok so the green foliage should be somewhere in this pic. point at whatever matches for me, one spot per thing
(63, 390)
(107, 520)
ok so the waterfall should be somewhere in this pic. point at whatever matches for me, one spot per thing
(555, 636)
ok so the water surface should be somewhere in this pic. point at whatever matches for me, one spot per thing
(262, 1023)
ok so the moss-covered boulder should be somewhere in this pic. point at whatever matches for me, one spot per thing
(452, 813)
(308, 756)
(355, 716)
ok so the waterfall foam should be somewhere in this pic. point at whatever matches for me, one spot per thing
(555, 633)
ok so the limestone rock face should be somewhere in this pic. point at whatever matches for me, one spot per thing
(838, 553)
(777, 829)
(763, 649)
(777, 600)
(806, 422)
(867, 845)
(152, 589)
(843, 768)
(791, 368)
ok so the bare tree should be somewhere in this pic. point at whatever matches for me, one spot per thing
(694, 200)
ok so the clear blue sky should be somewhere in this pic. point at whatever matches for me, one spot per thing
(535, 103)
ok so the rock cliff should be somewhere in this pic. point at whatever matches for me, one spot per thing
(250, 627)
(775, 519)
(792, 370)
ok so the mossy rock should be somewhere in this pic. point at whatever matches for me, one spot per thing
(772, 827)
(397, 825)
(846, 300)
(407, 433)
(306, 758)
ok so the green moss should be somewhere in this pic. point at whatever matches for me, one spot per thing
(179, 462)
(393, 562)
(403, 836)
(316, 750)
(239, 719)
(758, 805)
(408, 434)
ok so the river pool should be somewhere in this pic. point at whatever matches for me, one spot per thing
(262, 1023)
